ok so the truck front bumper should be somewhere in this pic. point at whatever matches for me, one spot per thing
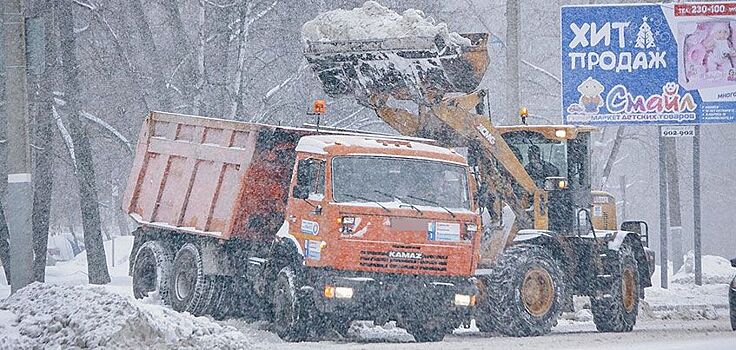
(350, 295)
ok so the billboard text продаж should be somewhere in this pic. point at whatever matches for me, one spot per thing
(649, 64)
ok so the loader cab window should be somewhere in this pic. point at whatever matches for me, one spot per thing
(540, 156)
(310, 179)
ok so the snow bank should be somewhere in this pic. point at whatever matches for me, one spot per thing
(52, 316)
(74, 272)
(368, 331)
(684, 300)
(374, 21)
(716, 270)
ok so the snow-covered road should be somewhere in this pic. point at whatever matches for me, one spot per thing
(684, 316)
(649, 335)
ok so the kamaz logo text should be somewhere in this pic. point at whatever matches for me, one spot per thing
(405, 255)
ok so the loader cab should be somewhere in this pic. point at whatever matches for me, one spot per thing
(557, 158)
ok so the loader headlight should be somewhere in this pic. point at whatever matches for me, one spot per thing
(561, 133)
(555, 183)
(338, 292)
(464, 300)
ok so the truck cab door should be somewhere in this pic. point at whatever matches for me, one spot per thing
(306, 203)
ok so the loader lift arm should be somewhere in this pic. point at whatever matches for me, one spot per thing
(376, 71)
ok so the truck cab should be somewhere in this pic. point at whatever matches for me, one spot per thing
(385, 228)
(373, 205)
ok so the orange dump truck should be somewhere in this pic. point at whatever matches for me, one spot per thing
(312, 229)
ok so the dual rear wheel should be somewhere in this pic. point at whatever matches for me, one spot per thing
(179, 280)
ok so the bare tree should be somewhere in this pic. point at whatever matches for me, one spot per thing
(4, 244)
(96, 260)
(44, 150)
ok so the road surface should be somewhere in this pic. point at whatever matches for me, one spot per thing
(647, 335)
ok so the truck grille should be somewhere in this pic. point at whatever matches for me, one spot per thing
(377, 259)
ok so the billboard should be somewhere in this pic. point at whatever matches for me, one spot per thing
(649, 64)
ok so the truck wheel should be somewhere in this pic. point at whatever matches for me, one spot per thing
(289, 320)
(152, 271)
(616, 311)
(524, 293)
(193, 291)
(427, 333)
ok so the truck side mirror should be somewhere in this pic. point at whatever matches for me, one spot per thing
(483, 196)
(301, 192)
(639, 227)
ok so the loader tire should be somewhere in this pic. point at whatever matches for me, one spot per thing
(151, 271)
(290, 319)
(192, 290)
(524, 294)
(617, 309)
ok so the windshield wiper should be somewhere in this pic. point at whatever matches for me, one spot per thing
(403, 202)
(366, 199)
(431, 202)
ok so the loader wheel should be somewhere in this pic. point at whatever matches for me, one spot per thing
(524, 293)
(193, 290)
(617, 309)
(152, 271)
(290, 320)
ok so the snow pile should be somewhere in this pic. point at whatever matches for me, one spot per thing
(368, 331)
(684, 300)
(74, 272)
(374, 21)
(52, 316)
(716, 270)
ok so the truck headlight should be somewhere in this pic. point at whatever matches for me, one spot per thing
(464, 300)
(338, 292)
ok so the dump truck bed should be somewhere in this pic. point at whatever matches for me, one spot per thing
(211, 177)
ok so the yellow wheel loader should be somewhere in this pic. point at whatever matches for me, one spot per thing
(548, 235)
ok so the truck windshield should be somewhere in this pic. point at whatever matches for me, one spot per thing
(403, 180)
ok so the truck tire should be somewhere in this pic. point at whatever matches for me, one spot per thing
(151, 271)
(192, 290)
(524, 294)
(616, 311)
(290, 321)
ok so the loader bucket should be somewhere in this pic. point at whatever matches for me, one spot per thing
(421, 69)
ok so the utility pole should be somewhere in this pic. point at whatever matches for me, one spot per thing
(696, 209)
(663, 256)
(673, 195)
(19, 202)
(622, 183)
(513, 7)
